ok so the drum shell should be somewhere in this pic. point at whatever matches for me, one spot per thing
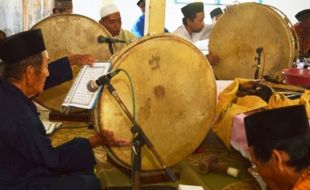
(246, 27)
(175, 97)
(64, 35)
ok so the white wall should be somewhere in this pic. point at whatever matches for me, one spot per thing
(130, 12)
(14, 20)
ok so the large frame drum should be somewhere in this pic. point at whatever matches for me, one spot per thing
(66, 34)
(243, 29)
(175, 97)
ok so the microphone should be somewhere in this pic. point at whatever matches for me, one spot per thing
(103, 39)
(93, 85)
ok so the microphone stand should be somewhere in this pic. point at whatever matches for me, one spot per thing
(259, 51)
(139, 139)
(110, 41)
(111, 48)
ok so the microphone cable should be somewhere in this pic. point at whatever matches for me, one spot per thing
(132, 92)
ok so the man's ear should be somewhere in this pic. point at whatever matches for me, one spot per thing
(279, 159)
(29, 72)
(188, 20)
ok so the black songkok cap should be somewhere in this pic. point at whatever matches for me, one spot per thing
(215, 12)
(275, 125)
(191, 9)
(303, 14)
(138, 3)
(22, 45)
(63, 4)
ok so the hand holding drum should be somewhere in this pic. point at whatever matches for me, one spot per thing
(107, 138)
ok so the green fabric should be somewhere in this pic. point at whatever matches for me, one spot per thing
(125, 35)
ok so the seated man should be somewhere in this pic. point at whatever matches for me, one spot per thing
(194, 29)
(138, 27)
(63, 6)
(59, 65)
(302, 29)
(28, 159)
(112, 21)
(279, 147)
(215, 14)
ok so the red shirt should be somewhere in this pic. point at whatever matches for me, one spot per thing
(304, 39)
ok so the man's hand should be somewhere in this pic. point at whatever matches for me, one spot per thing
(228, 8)
(106, 137)
(81, 59)
(109, 139)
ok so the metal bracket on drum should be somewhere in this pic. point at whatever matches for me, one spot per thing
(259, 51)
(139, 140)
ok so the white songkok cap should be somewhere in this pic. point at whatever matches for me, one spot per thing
(108, 9)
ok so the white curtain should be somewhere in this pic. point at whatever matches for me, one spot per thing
(20, 15)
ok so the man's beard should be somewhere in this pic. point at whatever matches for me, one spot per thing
(197, 30)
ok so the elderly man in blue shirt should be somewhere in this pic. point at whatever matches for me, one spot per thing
(28, 161)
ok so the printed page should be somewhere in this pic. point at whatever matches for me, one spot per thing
(79, 96)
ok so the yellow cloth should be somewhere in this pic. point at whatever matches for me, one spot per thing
(229, 105)
(305, 100)
(303, 182)
(279, 100)
(125, 35)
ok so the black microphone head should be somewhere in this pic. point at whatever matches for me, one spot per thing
(102, 39)
(92, 86)
(114, 72)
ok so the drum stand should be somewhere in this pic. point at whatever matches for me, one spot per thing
(111, 48)
(139, 139)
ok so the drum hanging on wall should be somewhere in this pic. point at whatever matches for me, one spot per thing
(175, 98)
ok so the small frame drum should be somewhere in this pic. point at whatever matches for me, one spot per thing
(66, 34)
(175, 98)
(246, 27)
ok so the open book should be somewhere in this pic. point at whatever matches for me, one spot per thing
(79, 96)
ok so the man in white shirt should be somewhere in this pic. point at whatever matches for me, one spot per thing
(194, 29)
(112, 21)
